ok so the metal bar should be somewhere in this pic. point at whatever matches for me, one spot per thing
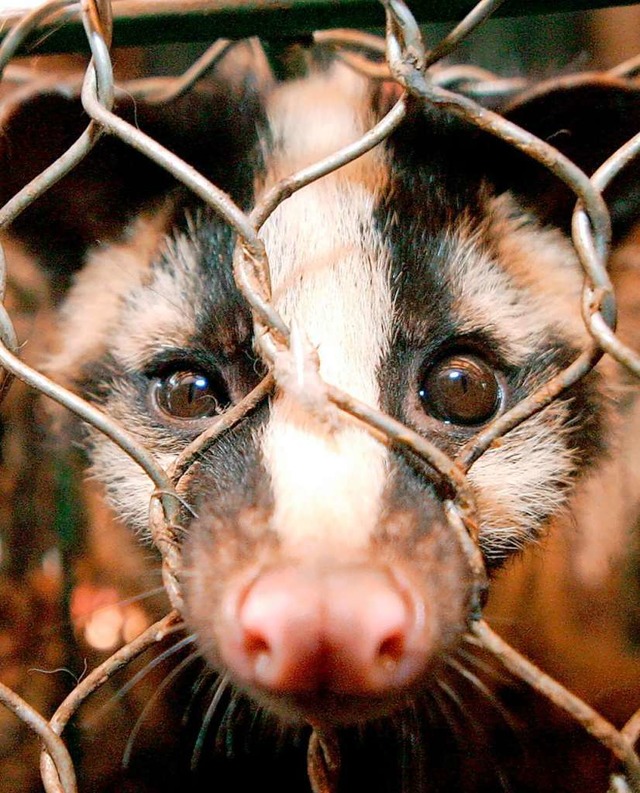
(619, 744)
(152, 635)
(143, 22)
(59, 759)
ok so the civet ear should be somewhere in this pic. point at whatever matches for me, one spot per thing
(213, 128)
(587, 119)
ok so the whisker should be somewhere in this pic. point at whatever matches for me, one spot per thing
(499, 674)
(483, 689)
(154, 663)
(126, 755)
(149, 593)
(205, 677)
(411, 763)
(478, 728)
(125, 601)
(221, 685)
(140, 675)
(469, 638)
(287, 736)
(227, 725)
(256, 726)
(452, 695)
(444, 710)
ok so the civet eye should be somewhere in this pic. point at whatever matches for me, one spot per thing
(461, 389)
(190, 395)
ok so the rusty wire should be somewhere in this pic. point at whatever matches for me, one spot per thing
(48, 12)
(361, 51)
(619, 744)
(58, 756)
(407, 61)
(323, 761)
(158, 90)
(481, 12)
(96, 678)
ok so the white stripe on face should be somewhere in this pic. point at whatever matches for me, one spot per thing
(330, 277)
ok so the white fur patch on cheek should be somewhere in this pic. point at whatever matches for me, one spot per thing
(128, 487)
(543, 262)
(162, 313)
(531, 285)
(519, 482)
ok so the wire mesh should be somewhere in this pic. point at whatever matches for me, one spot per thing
(420, 75)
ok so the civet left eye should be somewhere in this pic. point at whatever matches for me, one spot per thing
(190, 395)
(461, 389)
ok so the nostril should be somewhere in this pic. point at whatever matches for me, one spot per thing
(256, 645)
(259, 652)
(348, 631)
(391, 651)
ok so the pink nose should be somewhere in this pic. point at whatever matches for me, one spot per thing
(346, 631)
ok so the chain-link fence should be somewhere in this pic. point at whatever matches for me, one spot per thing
(411, 66)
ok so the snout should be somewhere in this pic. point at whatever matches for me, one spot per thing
(352, 631)
(316, 630)
(330, 644)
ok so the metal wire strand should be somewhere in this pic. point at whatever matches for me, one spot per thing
(323, 761)
(476, 82)
(161, 90)
(631, 729)
(478, 14)
(94, 680)
(64, 777)
(600, 330)
(222, 424)
(591, 720)
(407, 62)
(74, 155)
(629, 68)
(18, 35)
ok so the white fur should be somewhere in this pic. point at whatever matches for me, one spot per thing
(534, 284)
(519, 480)
(163, 311)
(330, 277)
